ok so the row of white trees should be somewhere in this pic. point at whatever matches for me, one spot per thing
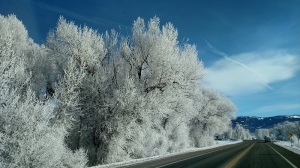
(238, 132)
(114, 97)
(281, 131)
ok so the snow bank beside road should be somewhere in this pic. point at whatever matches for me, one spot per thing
(135, 161)
(287, 145)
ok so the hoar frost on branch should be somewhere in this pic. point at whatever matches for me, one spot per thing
(27, 136)
(117, 98)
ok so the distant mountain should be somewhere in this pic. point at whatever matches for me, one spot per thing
(253, 123)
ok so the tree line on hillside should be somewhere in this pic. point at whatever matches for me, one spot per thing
(85, 98)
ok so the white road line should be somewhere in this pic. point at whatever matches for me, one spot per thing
(283, 157)
(191, 157)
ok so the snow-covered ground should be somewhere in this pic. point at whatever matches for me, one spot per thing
(134, 161)
(287, 145)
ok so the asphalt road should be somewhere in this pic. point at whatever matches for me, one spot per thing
(246, 154)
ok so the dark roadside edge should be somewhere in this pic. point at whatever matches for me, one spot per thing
(168, 157)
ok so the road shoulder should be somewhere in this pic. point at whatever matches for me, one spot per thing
(155, 158)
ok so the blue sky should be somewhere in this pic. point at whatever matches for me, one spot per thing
(250, 48)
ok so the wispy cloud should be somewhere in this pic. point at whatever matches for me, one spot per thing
(64, 12)
(278, 107)
(224, 55)
(256, 73)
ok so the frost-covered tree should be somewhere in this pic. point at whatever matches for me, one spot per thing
(238, 132)
(164, 95)
(13, 41)
(27, 137)
(17, 48)
(162, 75)
(118, 98)
(115, 93)
(85, 88)
(241, 133)
(262, 133)
(39, 67)
(214, 116)
(280, 131)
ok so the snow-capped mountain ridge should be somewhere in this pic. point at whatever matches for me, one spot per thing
(252, 123)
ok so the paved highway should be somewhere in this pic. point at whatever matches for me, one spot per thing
(246, 154)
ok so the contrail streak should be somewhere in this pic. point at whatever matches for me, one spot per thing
(94, 20)
(214, 50)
